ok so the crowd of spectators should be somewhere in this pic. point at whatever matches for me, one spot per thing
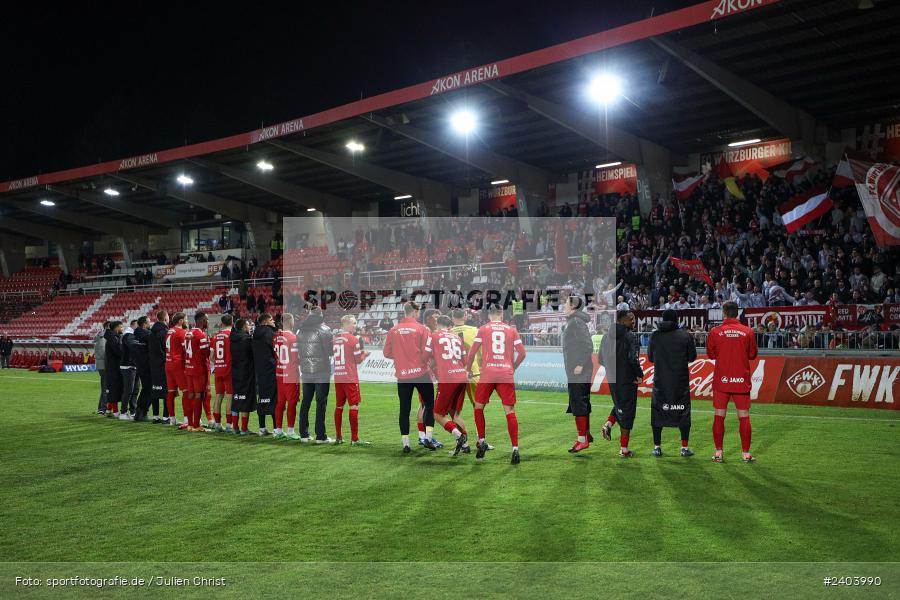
(750, 256)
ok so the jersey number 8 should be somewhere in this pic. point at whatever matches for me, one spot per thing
(498, 342)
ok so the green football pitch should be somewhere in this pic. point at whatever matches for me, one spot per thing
(82, 495)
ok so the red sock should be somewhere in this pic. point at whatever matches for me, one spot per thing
(244, 421)
(198, 408)
(479, 422)
(421, 427)
(745, 430)
(718, 431)
(292, 412)
(684, 443)
(623, 439)
(512, 425)
(354, 424)
(206, 407)
(462, 429)
(279, 412)
(112, 407)
(581, 426)
(230, 418)
(611, 419)
(338, 421)
(186, 407)
(218, 418)
(449, 426)
(587, 424)
(170, 403)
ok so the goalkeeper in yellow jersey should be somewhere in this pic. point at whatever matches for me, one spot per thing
(467, 334)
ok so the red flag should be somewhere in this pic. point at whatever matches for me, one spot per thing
(561, 249)
(759, 172)
(843, 175)
(722, 169)
(805, 207)
(878, 186)
(796, 170)
(684, 185)
(693, 268)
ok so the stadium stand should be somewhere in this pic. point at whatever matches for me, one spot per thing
(50, 318)
(40, 280)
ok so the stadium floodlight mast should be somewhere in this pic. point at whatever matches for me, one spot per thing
(463, 121)
(184, 179)
(605, 88)
(264, 165)
(354, 146)
(499, 181)
(609, 164)
(744, 143)
(403, 197)
(111, 192)
(48, 203)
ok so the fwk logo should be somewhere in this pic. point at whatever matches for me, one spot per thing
(805, 381)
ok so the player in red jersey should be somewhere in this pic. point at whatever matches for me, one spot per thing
(498, 342)
(287, 378)
(429, 318)
(348, 353)
(175, 368)
(405, 345)
(196, 370)
(449, 354)
(732, 345)
(220, 357)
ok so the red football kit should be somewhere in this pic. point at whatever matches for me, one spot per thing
(220, 356)
(502, 352)
(287, 376)
(348, 353)
(175, 359)
(196, 360)
(448, 352)
(732, 345)
(405, 345)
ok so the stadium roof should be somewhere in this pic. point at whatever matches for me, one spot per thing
(694, 79)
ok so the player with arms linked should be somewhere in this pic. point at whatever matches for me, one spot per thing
(220, 356)
(449, 355)
(348, 355)
(502, 352)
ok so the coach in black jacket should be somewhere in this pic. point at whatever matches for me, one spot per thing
(264, 364)
(620, 356)
(577, 350)
(113, 337)
(315, 349)
(140, 355)
(156, 351)
(671, 350)
(243, 378)
(129, 374)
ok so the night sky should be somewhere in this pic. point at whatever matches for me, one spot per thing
(90, 82)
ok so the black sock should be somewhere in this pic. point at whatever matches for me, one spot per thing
(685, 433)
(262, 420)
(657, 436)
